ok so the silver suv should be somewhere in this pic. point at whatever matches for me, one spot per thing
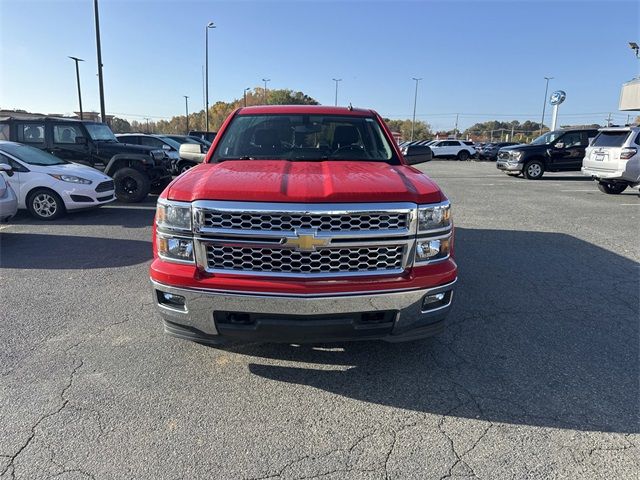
(613, 159)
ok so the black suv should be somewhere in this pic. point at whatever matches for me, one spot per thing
(556, 151)
(135, 169)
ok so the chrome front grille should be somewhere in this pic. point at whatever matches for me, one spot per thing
(289, 222)
(304, 240)
(381, 259)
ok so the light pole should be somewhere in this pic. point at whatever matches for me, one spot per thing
(103, 117)
(147, 119)
(415, 99)
(206, 69)
(544, 105)
(76, 59)
(336, 80)
(244, 94)
(265, 80)
(186, 107)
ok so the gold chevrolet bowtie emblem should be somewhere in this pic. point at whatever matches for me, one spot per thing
(306, 242)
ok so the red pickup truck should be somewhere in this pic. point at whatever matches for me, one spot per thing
(304, 223)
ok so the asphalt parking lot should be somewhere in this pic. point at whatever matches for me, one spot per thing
(537, 375)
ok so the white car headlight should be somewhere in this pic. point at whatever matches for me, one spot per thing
(173, 215)
(434, 217)
(71, 179)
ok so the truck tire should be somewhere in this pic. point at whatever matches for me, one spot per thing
(131, 185)
(45, 204)
(184, 166)
(463, 155)
(611, 188)
(533, 170)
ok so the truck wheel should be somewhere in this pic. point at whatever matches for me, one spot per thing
(463, 155)
(45, 204)
(612, 188)
(131, 185)
(533, 170)
(184, 166)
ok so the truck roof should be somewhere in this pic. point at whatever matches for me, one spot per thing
(305, 109)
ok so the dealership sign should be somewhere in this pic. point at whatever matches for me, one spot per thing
(557, 97)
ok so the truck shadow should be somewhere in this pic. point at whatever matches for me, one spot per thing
(544, 332)
(66, 252)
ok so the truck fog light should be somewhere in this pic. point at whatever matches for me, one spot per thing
(171, 300)
(432, 249)
(434, 301)
(175, 248)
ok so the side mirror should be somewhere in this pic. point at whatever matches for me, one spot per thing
(80, 140)
(166, 147)
(6, 168)
(415, 154)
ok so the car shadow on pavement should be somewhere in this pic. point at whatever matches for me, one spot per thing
(544, 331)
(138, 215)
(66, 252)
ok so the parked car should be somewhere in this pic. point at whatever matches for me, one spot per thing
(305, 224)
(613, 159)
(182, 139)
(453, 149)
(490, 152)
(49, 186)
(208, 136)
(555, 151)
(170, 145)
(8, 198)
(135, 169)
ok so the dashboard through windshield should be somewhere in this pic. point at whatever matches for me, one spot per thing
(304, 138)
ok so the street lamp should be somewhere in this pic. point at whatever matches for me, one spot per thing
(186, 107)
(415, 99)
(244, 94)
(336, 80)
(103, 116)
(544, 105)
(76, 59)
(265, 80)
(206, 69)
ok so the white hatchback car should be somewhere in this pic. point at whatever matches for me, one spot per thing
(48, 186)
(613, 159)
(8, 199)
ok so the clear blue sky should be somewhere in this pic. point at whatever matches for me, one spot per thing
(482, 59)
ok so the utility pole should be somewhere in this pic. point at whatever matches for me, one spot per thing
(147, 119)
(265, 80)
(206, 70)
(455, 129)
(186, 107)
(415, 99)
(544, 105)
(103, 117)
(76, 59)
(609, 120)
(512, 128)
(204, 98)
(336, 80)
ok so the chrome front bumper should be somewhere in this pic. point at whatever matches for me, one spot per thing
(197, 319)
(508, 167)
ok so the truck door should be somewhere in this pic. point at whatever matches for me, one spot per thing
(567, 152)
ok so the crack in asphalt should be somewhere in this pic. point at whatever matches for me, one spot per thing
(65, 402)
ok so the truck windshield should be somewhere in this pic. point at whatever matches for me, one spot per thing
(100, 132)
(31, 155)
(304, 138)
(547, 138)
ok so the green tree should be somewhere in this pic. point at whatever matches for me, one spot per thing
(120, 125)
(422, 130)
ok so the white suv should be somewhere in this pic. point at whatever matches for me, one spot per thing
(453, 149)
(613, 159)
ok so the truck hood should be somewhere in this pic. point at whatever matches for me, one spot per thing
(526, 147)
(309, 182)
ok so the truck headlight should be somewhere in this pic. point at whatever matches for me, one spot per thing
(513, 155)
(429, 249)
(173, 215)
(175, 248)
(434, 217)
